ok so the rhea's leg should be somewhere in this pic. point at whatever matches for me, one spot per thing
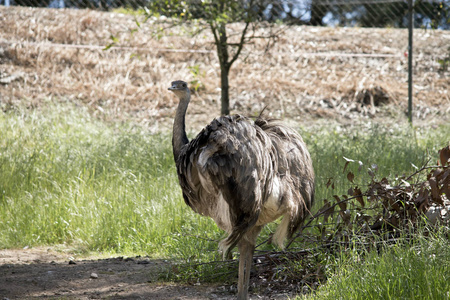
(246, 248)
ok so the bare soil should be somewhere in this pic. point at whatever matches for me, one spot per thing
(45, 273)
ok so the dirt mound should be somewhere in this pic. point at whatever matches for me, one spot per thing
(58, 54)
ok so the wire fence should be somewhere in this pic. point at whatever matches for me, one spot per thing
(364, 13)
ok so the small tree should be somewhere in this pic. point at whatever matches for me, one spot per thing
(215, 15)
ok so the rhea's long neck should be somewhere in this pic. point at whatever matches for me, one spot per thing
(179, 138)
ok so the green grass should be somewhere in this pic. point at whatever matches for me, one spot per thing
(68, 178)
(393, 150)
(420, 270)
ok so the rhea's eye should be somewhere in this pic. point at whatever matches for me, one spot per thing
(184, 85)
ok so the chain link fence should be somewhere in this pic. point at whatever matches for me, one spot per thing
(363, 13)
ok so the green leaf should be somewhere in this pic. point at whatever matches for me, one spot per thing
(137, 22)
(108, 46)
(114, 39)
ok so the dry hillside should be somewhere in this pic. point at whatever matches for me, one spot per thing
(341, 74)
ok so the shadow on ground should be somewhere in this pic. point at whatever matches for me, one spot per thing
(31, 274)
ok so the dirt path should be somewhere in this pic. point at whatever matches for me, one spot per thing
(44, 273)
(41, 273)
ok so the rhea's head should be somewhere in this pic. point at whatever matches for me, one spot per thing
(180, 88)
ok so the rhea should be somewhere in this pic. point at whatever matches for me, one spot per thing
(243, 173)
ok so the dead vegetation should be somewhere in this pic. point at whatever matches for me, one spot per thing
(333, 73)
(385, 211)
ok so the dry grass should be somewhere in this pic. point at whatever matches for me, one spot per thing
(309, 73)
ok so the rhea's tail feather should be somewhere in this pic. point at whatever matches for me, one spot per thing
(236, 235)
(303, 213)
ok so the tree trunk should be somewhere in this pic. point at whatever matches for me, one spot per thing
(317, 13)
(225, 97)
(222, 49)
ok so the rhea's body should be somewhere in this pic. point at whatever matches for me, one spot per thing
(243, 173)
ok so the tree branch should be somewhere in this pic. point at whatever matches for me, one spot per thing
(243, 38)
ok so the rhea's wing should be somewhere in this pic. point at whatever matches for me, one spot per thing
(188, 175)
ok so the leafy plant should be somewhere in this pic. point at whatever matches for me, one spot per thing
(196, 83)
(384, 206)
(444, 62)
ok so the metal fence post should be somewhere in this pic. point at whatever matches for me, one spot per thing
(410, 57)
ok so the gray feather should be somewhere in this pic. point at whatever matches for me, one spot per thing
(243, 174)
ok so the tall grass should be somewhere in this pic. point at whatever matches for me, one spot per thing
(417, 270)
(66, 177)
(395, 151)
